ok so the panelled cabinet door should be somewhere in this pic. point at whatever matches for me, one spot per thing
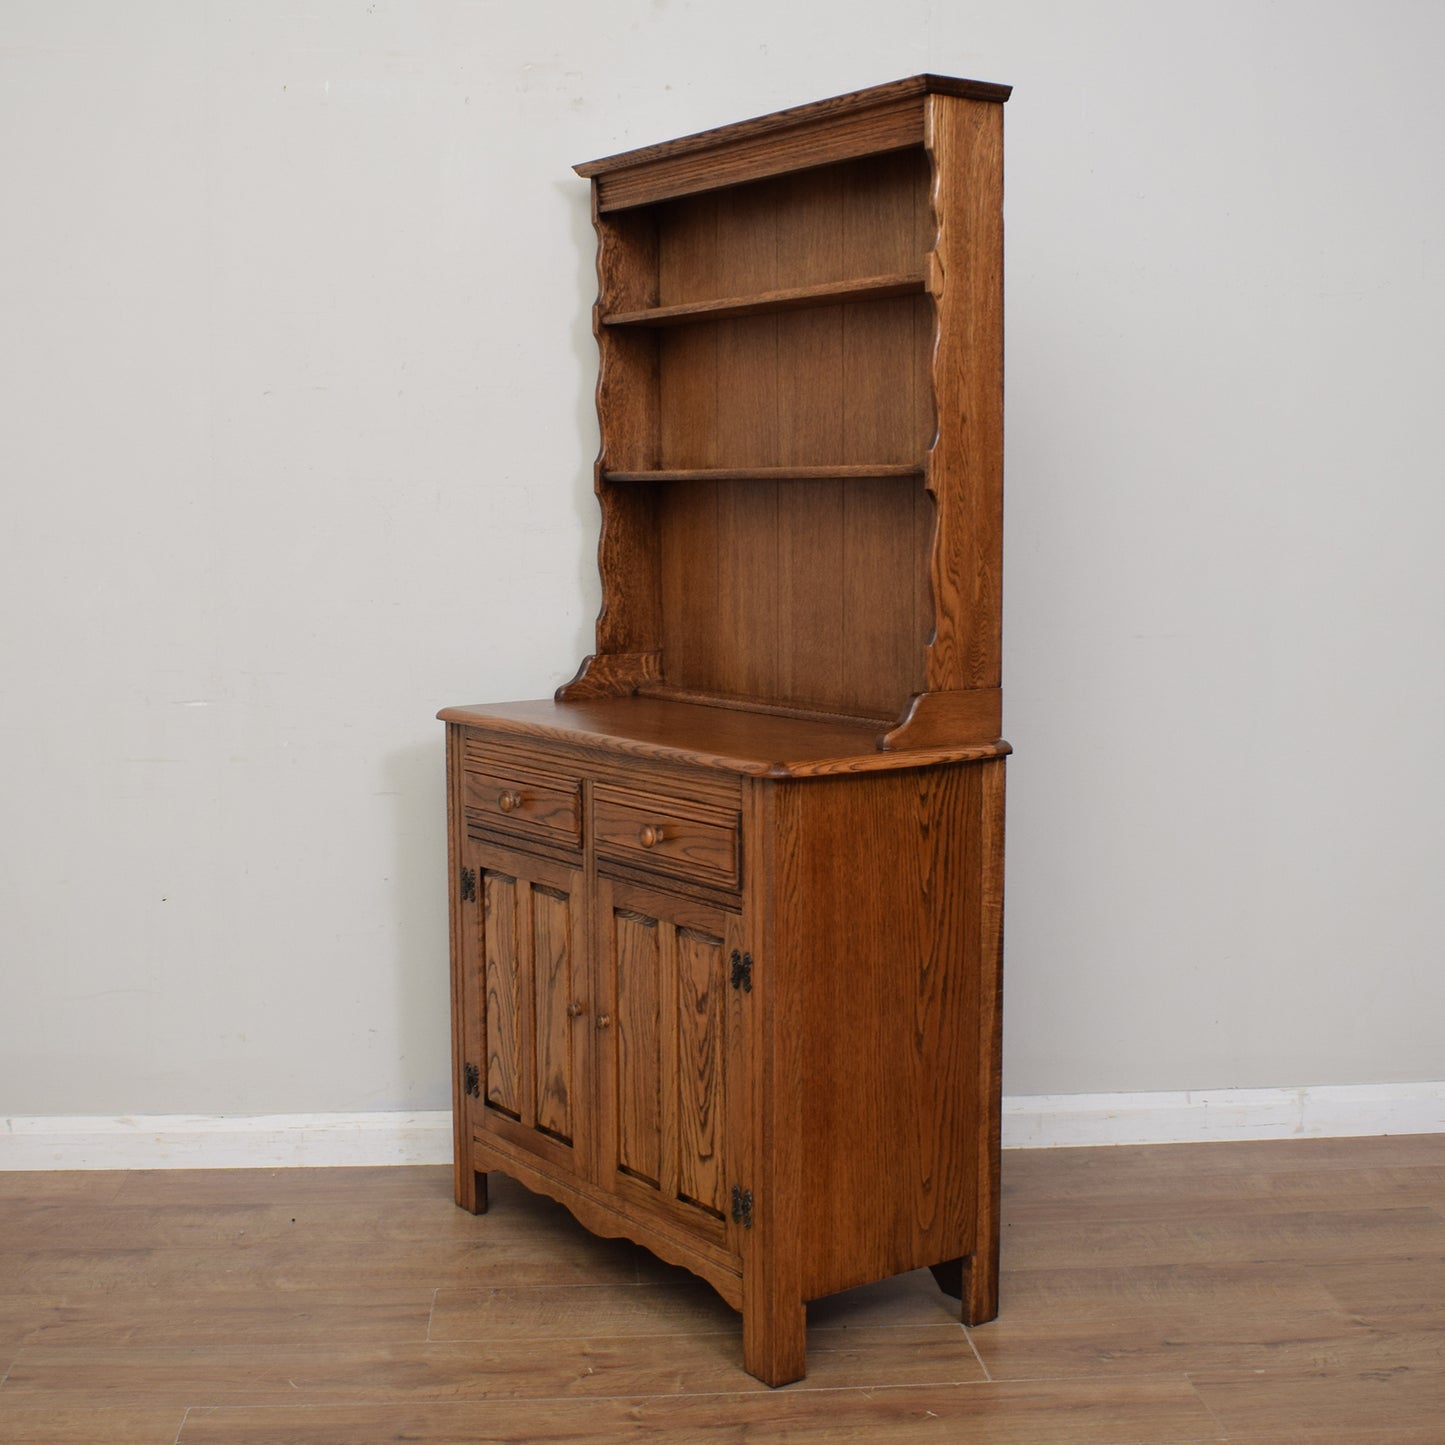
(671, 1059)
(525, 1001)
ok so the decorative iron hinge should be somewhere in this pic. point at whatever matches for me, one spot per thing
(742, 974)
(469, 885)
(742, 1206)
(473, 1077)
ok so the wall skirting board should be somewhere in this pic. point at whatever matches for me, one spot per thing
(1040, 1121)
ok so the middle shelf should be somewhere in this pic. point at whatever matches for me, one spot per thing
(792, 298)
(841, 471)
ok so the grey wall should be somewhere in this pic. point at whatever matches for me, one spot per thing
(296, 444)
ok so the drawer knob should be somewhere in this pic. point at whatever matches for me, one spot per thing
(576, 1010)
(649, 835)
(604, 1021)
(508, 801)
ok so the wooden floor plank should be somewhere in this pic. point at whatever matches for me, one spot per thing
(1095, 1346)
(58, 1424)
(1326, 1402)
(1246, 1237)
(308, 1267)
(1163, 1293)
(1391, 1294)
(556, 1367)
(90, 1186)
(241, 1316)
(1166, 1412)
(1422, 1435)
(1267, 1294)
(563, 1311)
(376, 1183)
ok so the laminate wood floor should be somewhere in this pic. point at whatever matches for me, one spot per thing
(1262, 1293)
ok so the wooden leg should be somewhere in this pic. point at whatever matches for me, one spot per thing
(775, 1334)
(471, 1191)
(980, 1288)
(973, 1281)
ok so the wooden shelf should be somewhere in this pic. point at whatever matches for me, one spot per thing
(792, 298)
(771, 474)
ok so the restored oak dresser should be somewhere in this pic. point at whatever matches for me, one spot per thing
(727, 912)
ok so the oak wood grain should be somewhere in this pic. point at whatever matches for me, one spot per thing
(783, 298)
(730, 740)
(965, 140)
(834, 106)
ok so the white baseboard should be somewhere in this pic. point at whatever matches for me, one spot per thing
(210, 1141)
(1054, 1121)
(1040, 1121)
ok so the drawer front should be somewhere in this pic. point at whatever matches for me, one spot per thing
(532, 804)
(666, 835)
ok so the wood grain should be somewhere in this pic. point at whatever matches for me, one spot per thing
(637, 1013)
(858, 100)
(784, 298)
(1164, 1411)
(556, 947)
(523, 1325)
(755, 744)
(702, 1086)
(507, 957)
(965, 141)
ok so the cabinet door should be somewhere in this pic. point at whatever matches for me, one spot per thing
(671, 1055)
(523, 945)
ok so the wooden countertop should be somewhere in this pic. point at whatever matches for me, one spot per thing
(729, 739)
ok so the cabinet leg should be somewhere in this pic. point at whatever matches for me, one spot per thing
(971, 1279)
(471, 1190)
(775, 1337)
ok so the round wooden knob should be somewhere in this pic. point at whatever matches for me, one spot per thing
(604, 1021)
(649, 835)
(509, 801)
(576, 1010)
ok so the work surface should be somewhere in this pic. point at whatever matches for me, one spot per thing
(1267, 1292)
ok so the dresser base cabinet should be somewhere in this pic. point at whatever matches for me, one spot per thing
(769, 1052)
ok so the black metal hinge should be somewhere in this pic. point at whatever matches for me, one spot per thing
(742, 1206)
(473, 1076)
(742, 974)
(469, 885)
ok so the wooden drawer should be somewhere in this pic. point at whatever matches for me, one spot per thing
(666, 834)
(503, 797)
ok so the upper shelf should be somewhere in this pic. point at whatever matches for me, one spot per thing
(864, 122)
(840, 472)
(792, 298)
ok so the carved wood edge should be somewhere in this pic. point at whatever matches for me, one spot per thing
(961, 717)
(611, 674)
